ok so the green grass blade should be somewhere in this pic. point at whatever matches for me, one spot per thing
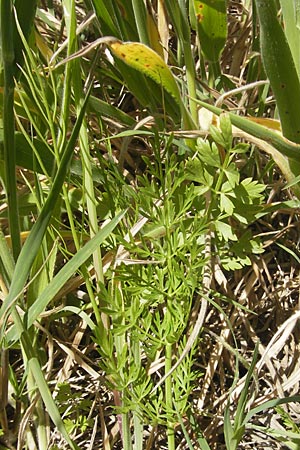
(280, 69)
(104, 108)
(240, 411)
(288, 438)
(202, 441)
(63, 276)
(33, 243)
(6, 261)
(140, 15)
(25, 11)
(234, 432)
(52, 409)
(106, 14)
(178, 13)
(88, 185)
(290, 11)
(69, 269)
(228, 430)
(271, 404)
(8, 55)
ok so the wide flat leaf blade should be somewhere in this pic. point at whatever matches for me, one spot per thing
(211, 25)
(148, 62)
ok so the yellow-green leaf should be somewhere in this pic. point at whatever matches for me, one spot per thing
(148, 62)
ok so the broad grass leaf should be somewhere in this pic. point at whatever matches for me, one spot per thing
(36, 156)
(148, 62)
(7, 264)
(105, 14)
(290, 12)
(25, 12)
(228, 429)
(280, 68)
(106, 109)
(211, 25)
(154, 37)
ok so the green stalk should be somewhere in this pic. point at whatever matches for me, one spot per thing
(90, 199)
(137, 414)
(120, 343)
(141, 21)
(126, 432)
(169, 345)
(190, 78)
(178, 14)
(280, 69)
(9, 124)
(71, 30)
(40, 414)
(169, 396)
(88, 184)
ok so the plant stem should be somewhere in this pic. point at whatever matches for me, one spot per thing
(169, 346)
(126, 432)
(190, 78)
(88, 186)
(137, 421)
(169, 401)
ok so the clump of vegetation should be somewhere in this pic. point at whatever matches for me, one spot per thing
(149, 246)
